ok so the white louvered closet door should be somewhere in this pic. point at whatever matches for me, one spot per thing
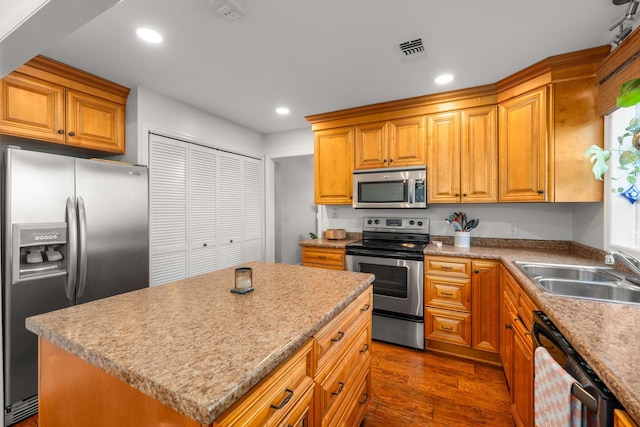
(202, 209)
(168, 209)
(252, 210)
(229, 210)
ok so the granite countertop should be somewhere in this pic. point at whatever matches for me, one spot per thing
(322, 242)
(195, 346)
(607, 335)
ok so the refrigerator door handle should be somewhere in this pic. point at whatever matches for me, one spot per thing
(72, 258)
(82, 247)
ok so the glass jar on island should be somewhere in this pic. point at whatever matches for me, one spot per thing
(243, 280)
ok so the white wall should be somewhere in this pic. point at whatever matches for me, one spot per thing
(588, 224)
(150, 111)
(295, 206)
(297, 142)
(551, 221)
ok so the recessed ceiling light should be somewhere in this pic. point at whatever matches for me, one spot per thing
(149, 35)
(444, 79)
(283, 111)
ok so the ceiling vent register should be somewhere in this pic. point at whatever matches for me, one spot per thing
(228, 9)
(412, 49)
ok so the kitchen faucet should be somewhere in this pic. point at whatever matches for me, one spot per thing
(631, 262)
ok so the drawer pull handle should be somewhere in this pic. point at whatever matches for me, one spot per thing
(446, 267)
(447, 294)
(365, 400)
(285, 401)
(507, 326)
(444, 328)
(322, 256)
(366, 307)
(365, 348)
(335, 393)
(340, 336)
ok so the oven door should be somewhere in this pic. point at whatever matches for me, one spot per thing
(398, 286)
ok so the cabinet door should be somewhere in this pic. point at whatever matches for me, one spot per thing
(479, 156)
(523, 146)
(333, 166)
(485, 297)
(31, 108)
(407, 145)
(372, 145)
(507, 314)
(522, 388)
(94, 123)
(622, 419)
(443, 160)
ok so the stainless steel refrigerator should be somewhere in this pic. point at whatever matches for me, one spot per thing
(73, 231)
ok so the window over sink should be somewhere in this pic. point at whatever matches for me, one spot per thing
(622, 194)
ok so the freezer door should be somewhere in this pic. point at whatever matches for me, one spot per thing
(36, 187)
(113, 229)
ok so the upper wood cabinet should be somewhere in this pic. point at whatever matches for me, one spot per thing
(524, 142)
(547, 119)
(49, 101)
(333, 166)
(462, 160)
(393, 143)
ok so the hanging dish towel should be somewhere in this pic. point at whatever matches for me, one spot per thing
(555, 406)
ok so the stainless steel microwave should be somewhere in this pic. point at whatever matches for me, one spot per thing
(391, 189)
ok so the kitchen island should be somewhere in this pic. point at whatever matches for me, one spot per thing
(189, 350)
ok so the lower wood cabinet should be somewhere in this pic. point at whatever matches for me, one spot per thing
(326, 383)
(332, 258)
(462, 311)
(516, 347)
(622, 419)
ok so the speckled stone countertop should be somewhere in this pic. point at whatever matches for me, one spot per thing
(607, 335)
(323, 242)
(195, 346)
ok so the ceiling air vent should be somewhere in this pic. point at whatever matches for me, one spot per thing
(412, 49)
(228, 9)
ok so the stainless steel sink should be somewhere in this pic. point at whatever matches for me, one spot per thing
(579, 281)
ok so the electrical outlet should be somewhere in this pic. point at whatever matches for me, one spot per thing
(334, 213)
(513, 228)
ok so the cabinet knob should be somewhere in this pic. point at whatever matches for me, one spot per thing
(72, 134)
(384, 161)
(60, 131)
(507, 326)
(540, 191)
(390, 160)
(464, 194)
(476, 271)
(204, 244)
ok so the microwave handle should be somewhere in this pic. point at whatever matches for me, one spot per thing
(412, 190)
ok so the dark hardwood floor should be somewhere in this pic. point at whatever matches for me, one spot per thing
(424, 389)
(413, 388)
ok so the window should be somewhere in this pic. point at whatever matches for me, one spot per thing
(622, 212)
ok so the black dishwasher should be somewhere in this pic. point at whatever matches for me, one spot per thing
(589, 388)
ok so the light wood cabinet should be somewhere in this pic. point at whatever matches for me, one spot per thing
(462, 306)
(622, 419)
(462, 160)
(524, 145)
(286, 393)
(332, 258)
(392, 143)
(48, 101)
(333, 166)
(516, 347)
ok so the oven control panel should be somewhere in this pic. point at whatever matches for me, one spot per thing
(417, 225)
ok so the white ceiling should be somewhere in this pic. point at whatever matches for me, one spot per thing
(316, 56)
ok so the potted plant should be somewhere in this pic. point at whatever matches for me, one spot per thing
(628, 154)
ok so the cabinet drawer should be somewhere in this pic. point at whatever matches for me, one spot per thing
(275, 396)
(357, 405)
(302, 414)
(454, 267)
(526, 308)
(337, 384)
(448, 292)
(323, 257)
(337, 334)
(448, 326)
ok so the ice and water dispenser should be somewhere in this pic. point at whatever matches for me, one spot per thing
(39, 251)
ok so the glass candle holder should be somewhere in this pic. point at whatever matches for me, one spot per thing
(243, 280)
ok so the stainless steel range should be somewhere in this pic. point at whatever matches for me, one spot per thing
(392, 249)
